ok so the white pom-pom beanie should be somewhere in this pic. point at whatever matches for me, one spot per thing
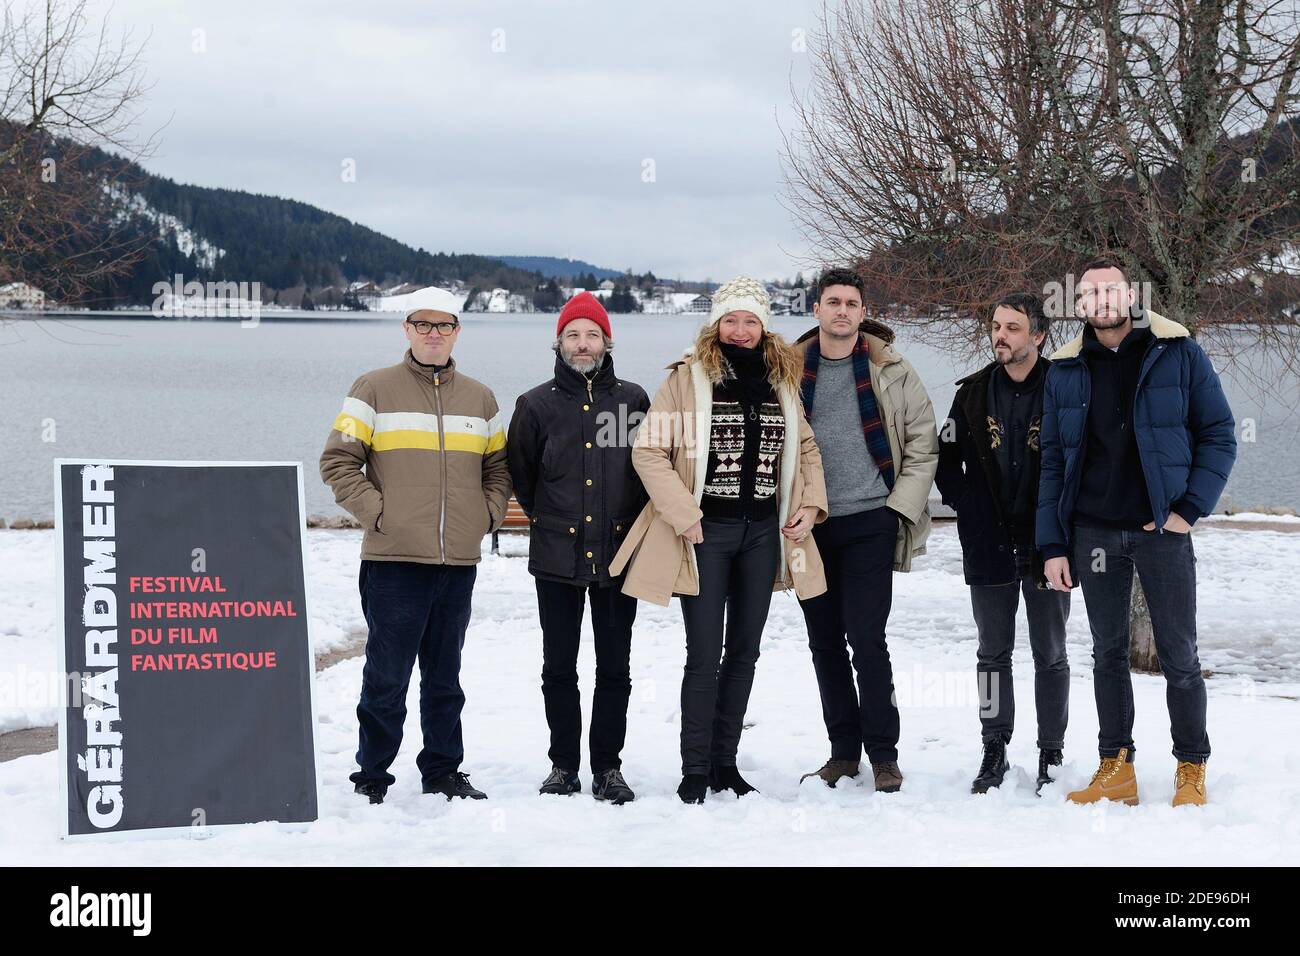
(741, 294)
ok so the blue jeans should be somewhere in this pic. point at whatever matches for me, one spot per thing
(1104, 561)
(414, 612)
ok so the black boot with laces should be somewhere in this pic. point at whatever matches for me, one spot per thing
(561, 782)
(993, 768)
(1047, 758)
(455, 784)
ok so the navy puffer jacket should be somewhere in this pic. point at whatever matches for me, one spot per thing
(1184, 428)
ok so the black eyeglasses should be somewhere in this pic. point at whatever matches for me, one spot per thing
(424, 328)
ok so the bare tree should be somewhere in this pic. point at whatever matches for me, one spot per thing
(66, 89)
(957, 149)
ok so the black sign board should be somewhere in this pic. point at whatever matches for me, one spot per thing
(186, 647)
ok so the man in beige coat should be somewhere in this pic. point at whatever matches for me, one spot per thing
(876, 432)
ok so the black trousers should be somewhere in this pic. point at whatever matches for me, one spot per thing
(994, 607)
(560, 608)
(857, 551)
(737, 564)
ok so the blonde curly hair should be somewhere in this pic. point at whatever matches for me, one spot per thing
(784, 361)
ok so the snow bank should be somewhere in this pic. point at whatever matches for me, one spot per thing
(1250, 626)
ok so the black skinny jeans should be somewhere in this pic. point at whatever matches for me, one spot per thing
(737, 564)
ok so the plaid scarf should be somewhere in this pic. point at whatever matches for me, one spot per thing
(873, 430)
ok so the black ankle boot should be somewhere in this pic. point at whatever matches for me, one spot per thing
(1047, 758)
(729, 778)
(993, 768)
(692, 788)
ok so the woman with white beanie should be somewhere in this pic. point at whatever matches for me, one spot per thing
(735, 485)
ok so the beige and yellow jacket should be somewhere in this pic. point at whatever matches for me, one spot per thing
(655, 561)
(418, 457)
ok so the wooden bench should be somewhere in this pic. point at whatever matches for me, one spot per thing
(516, 520)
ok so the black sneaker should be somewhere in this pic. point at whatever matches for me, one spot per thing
(1047, 758)
(693, 787)
(993, 768)
(455, 784)
(729, 778)
(610, 785)
(374, 791)
(561, 782)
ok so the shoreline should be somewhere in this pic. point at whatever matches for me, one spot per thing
(1260, 518)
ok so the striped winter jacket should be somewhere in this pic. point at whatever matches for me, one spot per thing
(418, 457)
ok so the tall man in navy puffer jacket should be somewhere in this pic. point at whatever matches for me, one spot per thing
(1137, 443)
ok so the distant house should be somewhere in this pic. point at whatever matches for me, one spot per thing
(608, 285)
(701, 303)
(404, 288)
(788, 301)
(20, 295)
(366, 293)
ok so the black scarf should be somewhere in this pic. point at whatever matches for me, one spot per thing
(750, 369)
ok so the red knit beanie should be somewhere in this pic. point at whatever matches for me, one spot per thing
(584, 305)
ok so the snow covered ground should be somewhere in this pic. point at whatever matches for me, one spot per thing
(1250, 638)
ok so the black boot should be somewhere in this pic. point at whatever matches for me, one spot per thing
(692, 788)
(455, 784)
(375, 791)
(729, 778)
(1047, 758)
(561, 782)
(993, 768)
(610, 785)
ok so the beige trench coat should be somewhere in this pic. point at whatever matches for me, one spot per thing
(671, 454)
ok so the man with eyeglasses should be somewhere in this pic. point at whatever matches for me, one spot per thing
(417, 455)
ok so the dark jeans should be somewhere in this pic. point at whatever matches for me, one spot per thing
(612, 612)
(414, 612)
(994, 607)
(737, 564)
(857, 551)
(1104, 559)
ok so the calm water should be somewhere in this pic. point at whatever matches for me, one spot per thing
(115, 388)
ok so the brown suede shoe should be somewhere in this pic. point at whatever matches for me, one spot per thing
(833, 770)
(889, 779)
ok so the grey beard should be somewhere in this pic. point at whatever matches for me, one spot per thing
(591, 363)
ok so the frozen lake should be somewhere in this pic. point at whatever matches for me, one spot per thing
(139, 388)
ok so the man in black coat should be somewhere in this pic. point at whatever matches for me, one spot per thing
(570, 456)
(988, 473)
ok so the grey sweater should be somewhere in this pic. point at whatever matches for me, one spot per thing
(853, 481)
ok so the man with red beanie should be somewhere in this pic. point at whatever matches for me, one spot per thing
(570, 455)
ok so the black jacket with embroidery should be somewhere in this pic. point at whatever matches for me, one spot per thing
(970, 483)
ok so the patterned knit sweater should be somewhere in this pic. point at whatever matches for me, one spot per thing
(745, 443)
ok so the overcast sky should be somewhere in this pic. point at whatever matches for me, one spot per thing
(537, 148)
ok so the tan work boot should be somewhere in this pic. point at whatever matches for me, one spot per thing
(1189, 784)
(889, 779)
(833, 771)
(1115, 779)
